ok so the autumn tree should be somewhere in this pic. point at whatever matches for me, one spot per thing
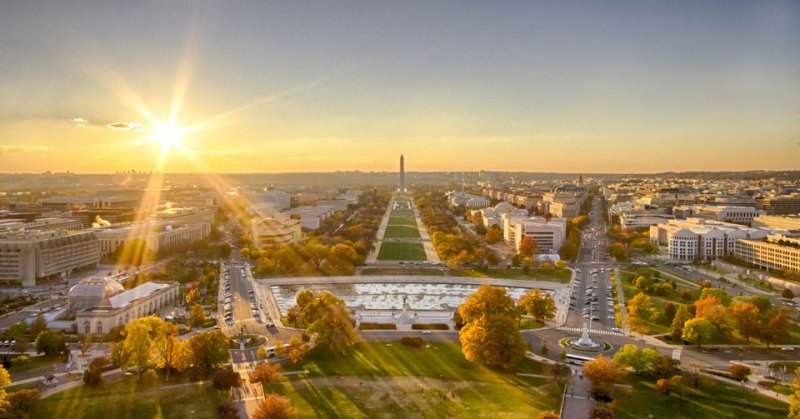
(168, 351)
(662, 386)
(698, 331)
(225, 378)
(297, 349)
(640, 306)
(547, 414)
(327, 320)
(537, 304)
(746, 317)
(528, 247)
(209, 351)
(604, 373)
(717, 293)
(198, 315)
(274, 407)
(681, 317)
(5, 380)
(794, 399)
(739, 372)
(266, 372)
(490, 334)
(493, 235)
(777, 330)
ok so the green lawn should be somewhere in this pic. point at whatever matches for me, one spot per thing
(402, 271)
(125, 399)
(712, 399)
(401, 251)
(404, 213)
(402, 221)
(401, 232)
(553, 275)
(381, 379)
(35, 362)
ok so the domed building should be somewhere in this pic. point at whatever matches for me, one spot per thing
(102, 303)
(93, 292)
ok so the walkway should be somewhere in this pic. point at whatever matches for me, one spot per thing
(578, 402)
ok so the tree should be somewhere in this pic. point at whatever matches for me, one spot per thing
(681, 317)
(746, 317)
(662, 386)
(739, 372)
(787, 293)
(640, 305)
(492, 258)
(492, 340)
(704, 303)
(764, 304)
(5, 380)
(719, 317)
(669, 312)
(137, 345)
(21, 345)
(209, 351)
(777, 330)
(493, 235)
(794, 399)
(168, 351)
(227, 410)
(266, 372)
(50, 343)
(274, 407)
(487, 301)
(94, 374)
(297, 349)
(22, 402)
(717, 293)
(547, 414)
(604, 373)
(641, 360)
(601, 412)
(528, 247)
(538, 304)
(38, 326)
(198, 315)
(698, 331)
(225, 378)
(327, 320)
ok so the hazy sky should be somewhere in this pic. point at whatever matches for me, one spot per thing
(596, 86)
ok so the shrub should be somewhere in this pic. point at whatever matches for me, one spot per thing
(430, 326)
(377, 326)
(739, 372)
(23, 401)
(412, 342)
(22, 359)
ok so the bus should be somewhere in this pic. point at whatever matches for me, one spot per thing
(272, 349)
(578, 359)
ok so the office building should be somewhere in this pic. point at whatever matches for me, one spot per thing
(549, 235)
(776, 252)
(29, 255)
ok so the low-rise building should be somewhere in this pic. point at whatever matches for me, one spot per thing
(640, 220)
(775, 252)
(277, 199)
(276, 229)
(463, 199)
(156, 236)
(28, 255)
(549, 235)
(730, 214)
(701, 239)
(778, 222)
(311, 217)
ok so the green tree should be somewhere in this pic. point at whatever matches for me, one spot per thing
(641, 360)
(640, 306)
(38, 326)
(698, 331)
(50, 343)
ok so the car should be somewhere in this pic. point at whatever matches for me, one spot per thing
(270, 324)
(426, 332)
(616, 330)
(788, 349)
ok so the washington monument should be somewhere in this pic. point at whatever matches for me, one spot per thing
(401, 186)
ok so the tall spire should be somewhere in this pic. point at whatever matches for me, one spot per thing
(401, 186)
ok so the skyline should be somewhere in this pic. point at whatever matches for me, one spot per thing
(565, 88)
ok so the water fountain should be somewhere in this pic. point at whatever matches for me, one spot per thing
(585, 342)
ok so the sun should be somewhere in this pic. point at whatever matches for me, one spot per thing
(168, 135)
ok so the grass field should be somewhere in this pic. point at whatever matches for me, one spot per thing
(126, 400)
(712, 399)
(390, 380)
(402, 220)
(401, 232)
(35, 362)
(402, 271)
(401, 251)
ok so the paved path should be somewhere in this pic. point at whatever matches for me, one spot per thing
(372, 257)
(578, 402)
(423, 279)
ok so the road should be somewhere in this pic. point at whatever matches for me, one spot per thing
(594, 272)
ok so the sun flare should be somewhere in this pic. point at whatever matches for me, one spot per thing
(168, 135)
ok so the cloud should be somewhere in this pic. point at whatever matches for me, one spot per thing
(81, 122)
(125, 126)
(24, 149)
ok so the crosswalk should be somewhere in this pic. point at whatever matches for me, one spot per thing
(591, 332)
